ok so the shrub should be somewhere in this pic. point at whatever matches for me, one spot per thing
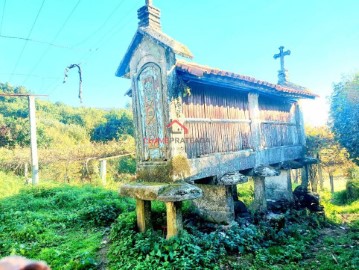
(127, 165)
(352, 190)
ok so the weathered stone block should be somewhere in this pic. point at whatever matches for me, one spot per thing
(279, 187)
(166, 192)
(216, 205)
(232, 178)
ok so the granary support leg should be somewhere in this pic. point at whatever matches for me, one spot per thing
(305, 176)
(174, 218)
(143, 211)
(260, 202)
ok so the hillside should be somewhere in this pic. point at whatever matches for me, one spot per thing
(67, 136)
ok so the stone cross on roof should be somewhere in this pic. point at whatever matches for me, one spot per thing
(282, 73)
(281, 55)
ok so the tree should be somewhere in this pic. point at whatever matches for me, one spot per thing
(117, 123)
(333, 158)
(344, 112)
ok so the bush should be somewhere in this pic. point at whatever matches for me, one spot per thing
(127, 165)
(352, 190)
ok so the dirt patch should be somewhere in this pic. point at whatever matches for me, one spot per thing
(103, 250)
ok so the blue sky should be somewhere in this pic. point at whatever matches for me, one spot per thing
(239, 36)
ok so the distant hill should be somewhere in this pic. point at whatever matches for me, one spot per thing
(57, 123)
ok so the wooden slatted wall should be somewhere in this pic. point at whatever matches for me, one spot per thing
(218, 119)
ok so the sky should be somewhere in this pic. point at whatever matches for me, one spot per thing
(240, 36)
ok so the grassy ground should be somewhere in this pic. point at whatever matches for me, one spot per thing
(76, 227)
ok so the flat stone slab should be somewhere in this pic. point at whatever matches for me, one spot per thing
(166, 192)
(291, 164)
(232, 178)
(266, 171)
(309, 160)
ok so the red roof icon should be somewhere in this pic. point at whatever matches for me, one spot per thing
(178, 123)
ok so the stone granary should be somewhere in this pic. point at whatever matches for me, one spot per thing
(200, 131)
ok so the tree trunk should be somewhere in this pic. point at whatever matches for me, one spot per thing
(305, 177)
(295, 175)
(313, 177)
(331, 178)
(320, 174)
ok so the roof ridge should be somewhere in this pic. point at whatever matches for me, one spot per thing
(201, 70)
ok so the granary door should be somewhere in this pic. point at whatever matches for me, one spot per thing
(150, 102)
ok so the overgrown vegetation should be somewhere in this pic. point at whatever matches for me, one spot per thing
(63, 225)
(87, 227)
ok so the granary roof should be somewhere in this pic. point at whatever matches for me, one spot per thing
(159, 37)
(214, 76)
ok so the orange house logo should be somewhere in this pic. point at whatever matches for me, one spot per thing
(175, 123)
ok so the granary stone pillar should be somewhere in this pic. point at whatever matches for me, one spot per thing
(143, 211)
(253, 107)
(259, 202)
(279, 188)
(260, 175)
(216, 205)
(300, 123)
(174, 218)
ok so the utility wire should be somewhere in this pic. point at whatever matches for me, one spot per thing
(42, 42)
(2, 17)
(53, 40)
(105, 37)
(101, 26)
(108, 35)
(28, 36)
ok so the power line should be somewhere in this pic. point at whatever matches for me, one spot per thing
(102, 25)
(109, 35)
(2, 17)
(99, 43)
(54, 39)
(28, 36)
(42, 42)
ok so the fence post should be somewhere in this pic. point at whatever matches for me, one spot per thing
(34, 156)
(103, 171)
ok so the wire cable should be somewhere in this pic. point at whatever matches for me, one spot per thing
(53, 40)
(26, 42)
(2, 17)
(102, 25)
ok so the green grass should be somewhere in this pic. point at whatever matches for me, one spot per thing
(61, 225)
(80, 227)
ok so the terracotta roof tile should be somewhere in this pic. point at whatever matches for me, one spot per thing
(203, 71)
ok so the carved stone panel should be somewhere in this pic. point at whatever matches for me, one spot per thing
(150, 108)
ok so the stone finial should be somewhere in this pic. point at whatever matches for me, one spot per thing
(282, 73)
(149, 16)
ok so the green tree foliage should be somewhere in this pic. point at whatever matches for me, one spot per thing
(344, 112)
(117, 123)
(322, 144)
(127, 165)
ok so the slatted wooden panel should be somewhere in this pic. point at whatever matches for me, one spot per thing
(206, 137)
(282, 131)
